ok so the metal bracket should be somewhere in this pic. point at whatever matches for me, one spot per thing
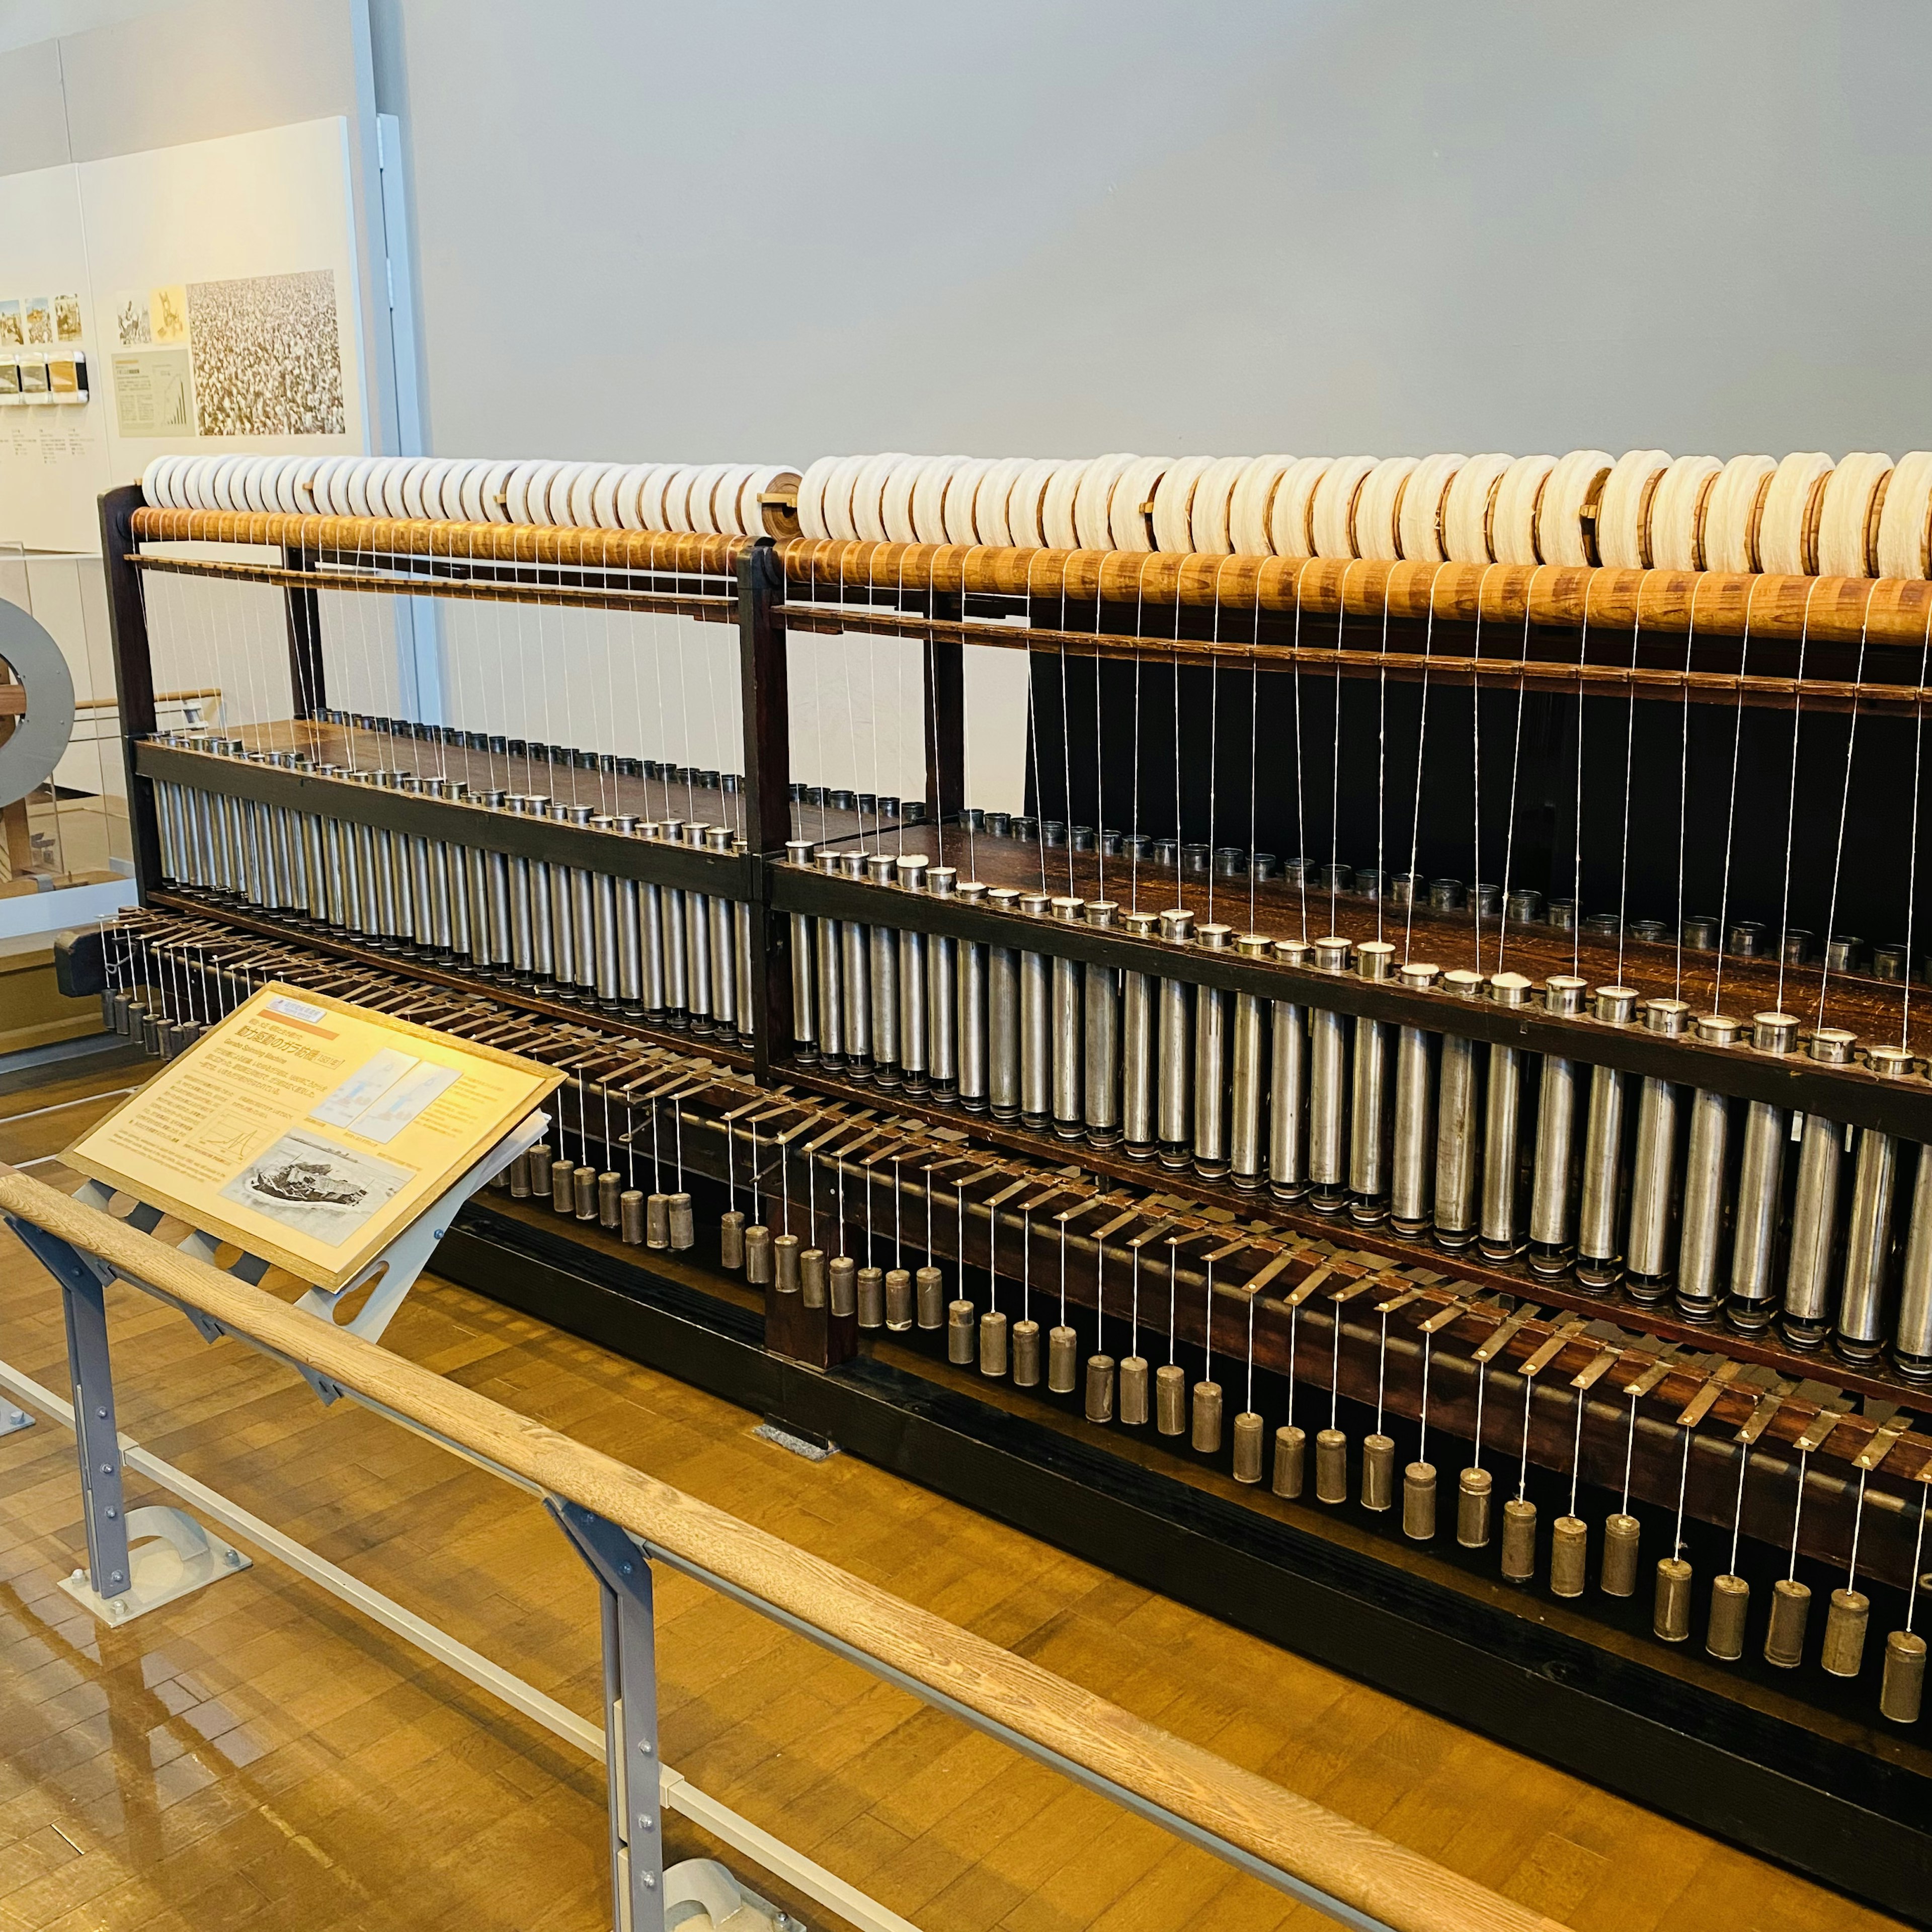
(395, 1271)
(170, 1556)
(630, 1714)
(13, 1420)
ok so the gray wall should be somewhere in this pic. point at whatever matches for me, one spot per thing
(1069, 225)
(753, 228)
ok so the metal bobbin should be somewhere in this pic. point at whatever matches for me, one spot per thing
(609, 1186)
(657, 1221)
(757, 1255)
(562, 1194)
(930, 1286)
(841, 1285)
(683, 1226)
(1026, 1355)
(872, 1290)
(583, 1193)
(898, 1300)
(1903, 1688)
(1331, 1466)
(1730, 1605)
(520, 1178)
(1378, 1472)
(540, 1171)
(1170, 1398)
(785, 1251)
(1569, 1556)
(1099, 1404)
(1622, 1535)
(1845, 1620)
(961, 1321)
(631, 1218)
(1518, 1539)
(1249, 1432)
(1418, 1501)
(1790, 1611)
(1670, 1610)
(1133, 1390)
(811, 1277)
(731, 1238)
(1063, 1360)
(992, 1343)
(1472, 1508)
(1291, 1461)
(1204, 1430)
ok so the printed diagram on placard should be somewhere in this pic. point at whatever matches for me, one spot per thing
(227, 1138)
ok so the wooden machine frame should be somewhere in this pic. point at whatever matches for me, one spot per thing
(1811, 1785)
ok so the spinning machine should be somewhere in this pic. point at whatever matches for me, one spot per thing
(1411, 1135)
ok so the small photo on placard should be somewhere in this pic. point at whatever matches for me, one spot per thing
(132, 327)
(67, 318)
(9, 381)
(40, 319)
(12, 335)
(167, 311)
(316, 1186)
(62, 380)
(33, 379)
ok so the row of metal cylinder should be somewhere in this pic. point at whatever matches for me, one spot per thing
(678, 957)
(1137, 1392)
(1737, 1209)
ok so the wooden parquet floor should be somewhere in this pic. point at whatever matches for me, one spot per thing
(257, 1755)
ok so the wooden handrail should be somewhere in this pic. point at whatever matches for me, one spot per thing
(1359, 1867)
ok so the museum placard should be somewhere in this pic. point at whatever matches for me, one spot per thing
(310, 1132)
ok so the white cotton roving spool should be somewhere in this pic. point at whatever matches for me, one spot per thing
(1466, 507)
(1787, 519)
(1253, 500)
(1092, 504)
(1677, 511)
(1905, 520)
(811, 497)
(868, 495)
(895, 499)
(1379, 507)
(1424, 498)
(1331, 521)
(1291, 517)
(1624, 507)
(1172, 493)
(926, 512)
(1026, 507)
(1131, 523)
(1572, 493)
(962, 496)
(1731, 513)
(991, 501)
(1514, 512)
(1211, 521)
(1847, 528)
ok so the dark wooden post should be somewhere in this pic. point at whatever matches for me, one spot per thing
(762, 669)
(133, 672)
(306, 681)
(945, 714)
